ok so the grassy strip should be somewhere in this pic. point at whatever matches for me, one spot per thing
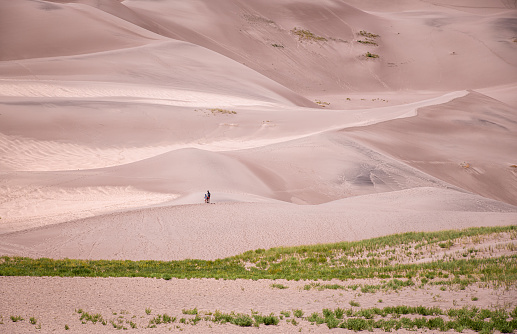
(392, 285)
(328, 261)
(386, 319)
(479, 320)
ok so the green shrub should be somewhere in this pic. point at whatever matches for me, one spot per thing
(16, 318)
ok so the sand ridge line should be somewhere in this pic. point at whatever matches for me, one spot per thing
(40, 155)
(126, 91)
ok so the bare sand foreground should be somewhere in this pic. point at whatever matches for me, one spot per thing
(309, 122)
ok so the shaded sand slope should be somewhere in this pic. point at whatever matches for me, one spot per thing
(422, 45)
(468, 142)
(50, 29)
(224, 229)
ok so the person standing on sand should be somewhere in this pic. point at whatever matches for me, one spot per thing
(208, 196)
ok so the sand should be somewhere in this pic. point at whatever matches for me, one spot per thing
(117, 116)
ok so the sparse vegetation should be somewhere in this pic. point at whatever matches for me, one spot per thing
(193, 311)
(367, 42)
(298, 313)
(322, 103)
(16, 318)
(367, 34)
(93, 318)
(160, 319)
(277, 45)
(392, 285)
(306, 35)
(222, 111)
(369, 38)
(385, 319)
(371, 55)
(278, 286)
(354, 303)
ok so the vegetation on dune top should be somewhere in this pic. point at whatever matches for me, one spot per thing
(393, 256)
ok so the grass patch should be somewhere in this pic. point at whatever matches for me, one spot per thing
(222, 111)
(354, 303)
(93, 318)
(322, 103)
(387, 319)
(369, 42)
(159, 319)
(278, 286)
(298, 313)
(16, 318)
(367, 34)
(306, 35)
(371, 55)
(345, 260)
(193, 311)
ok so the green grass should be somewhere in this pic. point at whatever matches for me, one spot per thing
(369, 42)
(193, 311)
(298, 313)
(278, 286)
(160, 319)
(387, 319)
(16, 318)
(372, 258)
(393, 318)
(93, 318)
(391, 285)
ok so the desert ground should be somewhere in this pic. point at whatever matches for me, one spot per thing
(310, 122)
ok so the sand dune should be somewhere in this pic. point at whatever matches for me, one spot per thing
(467, 142)
(309, 121)
(116, 117)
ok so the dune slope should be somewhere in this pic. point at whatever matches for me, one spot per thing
(117, 116)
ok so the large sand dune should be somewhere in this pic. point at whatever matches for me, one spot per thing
(116, 117)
